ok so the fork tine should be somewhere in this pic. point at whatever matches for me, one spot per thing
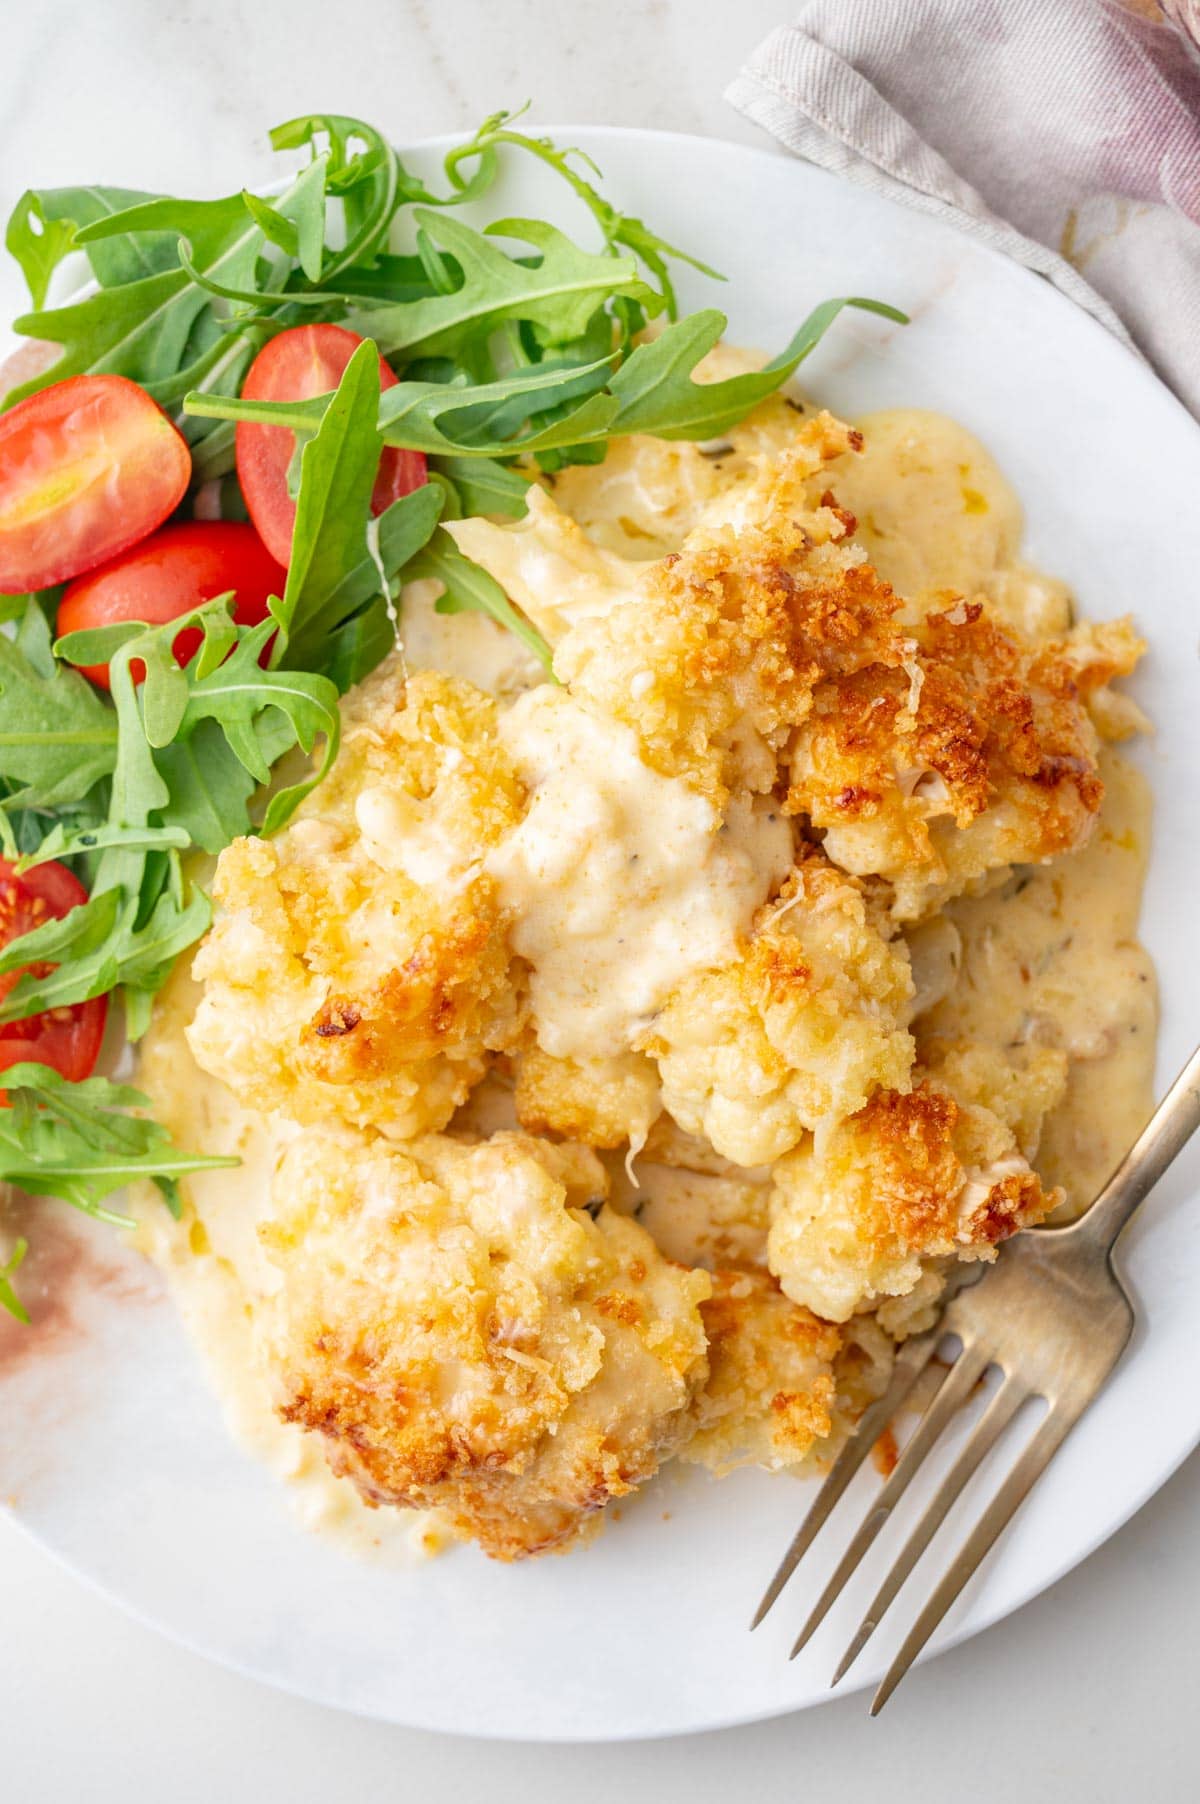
(995, 1419)
(910, 1363)
(1034, 1459)
(951, 1394)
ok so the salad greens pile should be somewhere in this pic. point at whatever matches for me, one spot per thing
(517, 351)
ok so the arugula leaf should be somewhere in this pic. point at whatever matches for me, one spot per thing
(557, 295)
(74, 841)
(297, 225)
(485, 487)
(209, 788)
(353, 649)
(618, 228)
(78, 1142)
(42, 231)
(468, 589)
(337, 474)
(354, 627)
(38, 247)
(8, 1297)
(392, 539)
(655, 387)
(370, 182)
(157, 328)
(239, 691)
(58, 737)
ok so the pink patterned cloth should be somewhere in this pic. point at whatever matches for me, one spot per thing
(1063, 132)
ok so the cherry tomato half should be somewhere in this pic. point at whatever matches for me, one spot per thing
(87, 468)
(169, 574)
(297, 364)
(67, 1038)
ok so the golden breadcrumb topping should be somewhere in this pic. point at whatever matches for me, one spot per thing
(359, 969)
(604, 1102)
(981, 755)
(927, 1174)
(770, 1392)
(712, 654)
(464, 1336)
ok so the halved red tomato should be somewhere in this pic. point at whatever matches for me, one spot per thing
(169, 574)
(67, 1038)
(87, 468)
(297, 364)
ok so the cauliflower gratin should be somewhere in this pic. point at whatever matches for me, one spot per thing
(620, 1063)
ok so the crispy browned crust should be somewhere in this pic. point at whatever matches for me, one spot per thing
(464, 1339)
(449, 991)
(913, 1177)
(341, 984)
(602, 1102)
(734, 631)
(770, 1390)
(918, 1175)
(995, 720)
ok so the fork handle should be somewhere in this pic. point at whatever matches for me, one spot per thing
(1165, 1134)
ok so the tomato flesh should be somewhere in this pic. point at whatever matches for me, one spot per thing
(66, 1038)
(87, 468)
(169, 574)
(294, 366)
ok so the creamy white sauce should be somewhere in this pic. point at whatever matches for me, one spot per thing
(620, 881)
(1052, 959)
(934, 512)
(402, 833)
(470, 646)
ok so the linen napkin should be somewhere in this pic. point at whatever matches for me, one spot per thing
(1065, 133)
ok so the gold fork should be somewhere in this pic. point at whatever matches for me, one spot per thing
(1053, 1316)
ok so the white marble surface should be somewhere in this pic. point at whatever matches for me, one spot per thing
(1089, 1692)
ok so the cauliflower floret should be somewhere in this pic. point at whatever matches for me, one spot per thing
(980, 755)
(910, 1178)
(359, 967)
(770, 1389)
(465, 1337)
(1021, 1086)
(802, 1027)
(602, 1101)
(713, 655)
(1097, 651)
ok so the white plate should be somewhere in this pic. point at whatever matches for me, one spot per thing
(112, 1449)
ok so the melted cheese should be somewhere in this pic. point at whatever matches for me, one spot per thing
(621, 881)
